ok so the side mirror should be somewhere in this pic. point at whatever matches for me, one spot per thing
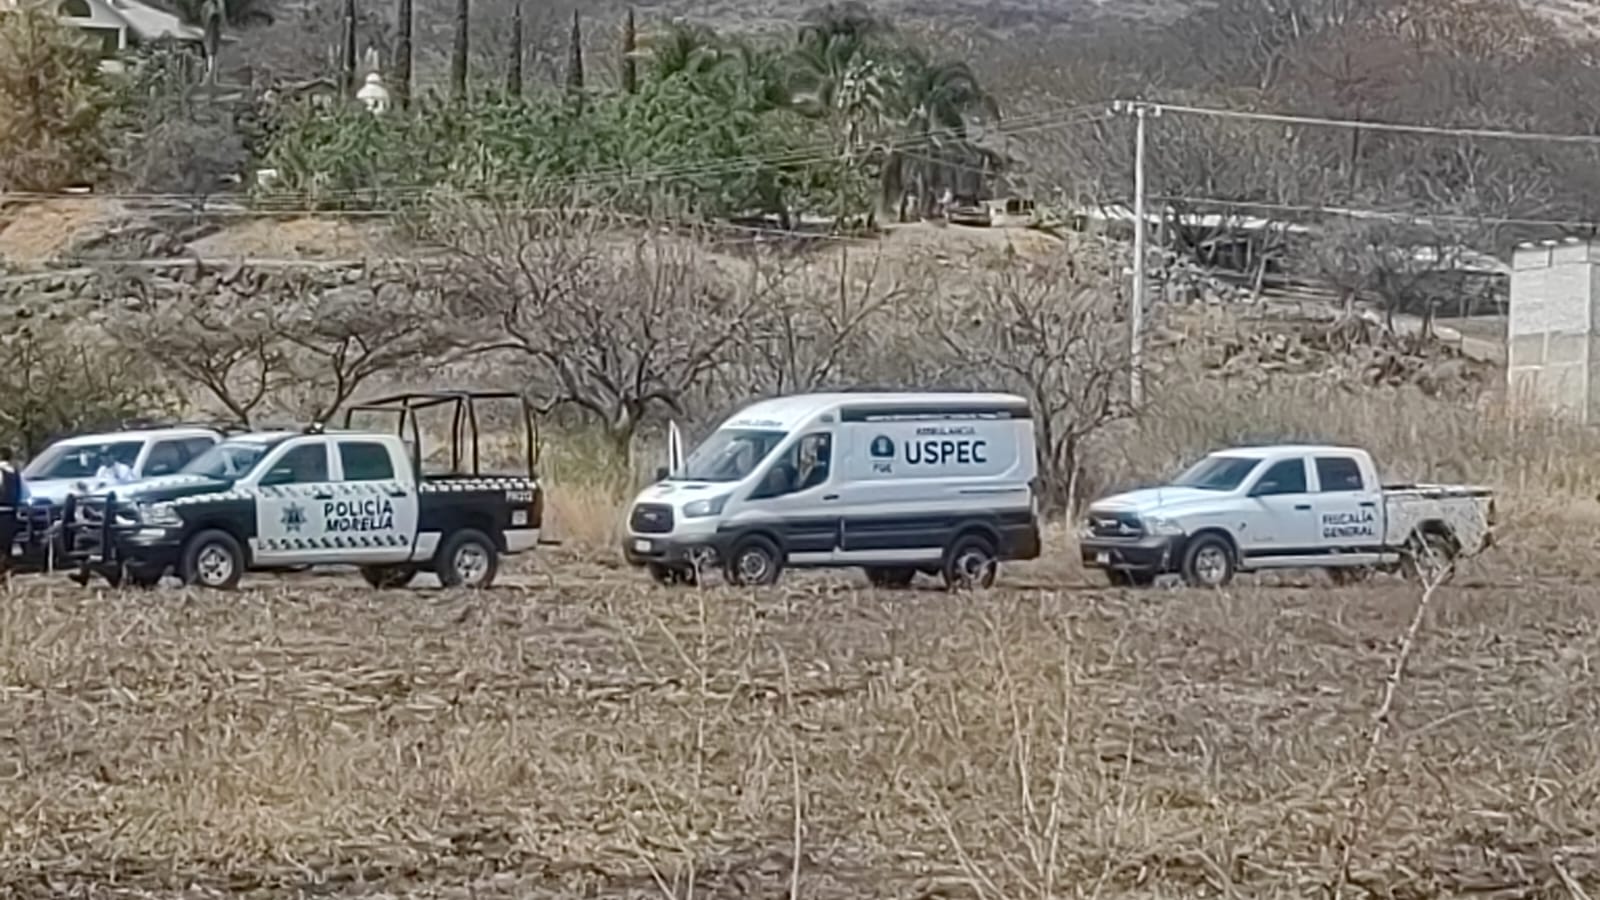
(661, 473)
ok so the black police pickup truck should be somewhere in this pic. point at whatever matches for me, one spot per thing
(278, 500)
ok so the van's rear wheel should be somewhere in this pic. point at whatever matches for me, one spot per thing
(970, 563)
(890, 577)
(754, 561)
(468, 559)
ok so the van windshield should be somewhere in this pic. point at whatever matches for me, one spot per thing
(1217, 473)
(729, 454)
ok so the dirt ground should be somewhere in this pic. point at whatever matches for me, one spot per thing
(580, 732)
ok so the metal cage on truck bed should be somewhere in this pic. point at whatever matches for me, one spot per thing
(464, 428)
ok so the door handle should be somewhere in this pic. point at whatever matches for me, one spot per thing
(396, 492)
(1368, 504)
(322, 495)
(1303, 506)
(830, 496)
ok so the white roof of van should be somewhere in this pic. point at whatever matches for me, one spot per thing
(785, 413)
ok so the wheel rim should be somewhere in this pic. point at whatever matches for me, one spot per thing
(471, 564)
(971, 567)
(1211, 565)
(753, 566)
(214, 565)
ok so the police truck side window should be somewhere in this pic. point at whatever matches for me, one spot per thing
(306, 464)
(365, 461)
(1338, 474)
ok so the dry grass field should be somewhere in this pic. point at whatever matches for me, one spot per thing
(581, 733)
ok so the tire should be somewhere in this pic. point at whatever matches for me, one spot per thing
(672, 576)
(1430, 555)
(890, 577)
(388, 577)
(1130, 578)
(1208, 562)
(468, 558)
(212, 559)
(970, 563)
(754, 561)
(145, 579)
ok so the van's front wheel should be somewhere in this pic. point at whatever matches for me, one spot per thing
(754, 561)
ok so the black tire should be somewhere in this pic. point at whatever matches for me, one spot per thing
(389, 577)
(1430, 555)
(1130, 578)
(145, 578)
(468, 558)
(212, 559)
(754, 561)
(1208, 562)
(672, 576)
(890, 577)
(970, 563)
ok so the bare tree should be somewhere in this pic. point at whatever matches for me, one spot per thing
(615, 323)
(1055, 334)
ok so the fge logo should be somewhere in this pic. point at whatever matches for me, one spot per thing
(882, 453)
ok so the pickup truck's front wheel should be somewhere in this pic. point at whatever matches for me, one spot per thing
(468, 559)
(212, 559)
(1208, 562)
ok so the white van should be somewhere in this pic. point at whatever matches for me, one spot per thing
(894, 483)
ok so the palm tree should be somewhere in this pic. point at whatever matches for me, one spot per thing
(936, 103)
(213, 16)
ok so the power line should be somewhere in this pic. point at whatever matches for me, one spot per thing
(1372, 125)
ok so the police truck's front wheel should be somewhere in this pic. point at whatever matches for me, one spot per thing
(467, 559)
(212, 559)
(754, 561)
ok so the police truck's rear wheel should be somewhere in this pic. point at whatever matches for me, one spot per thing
(754, 561)
(970, 563)
(388, 577)
(212, 559)
(891, 577)
(1208, 562)
(467, 559)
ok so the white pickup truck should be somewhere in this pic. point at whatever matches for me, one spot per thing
(1284, 507)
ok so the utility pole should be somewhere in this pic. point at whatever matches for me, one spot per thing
(1140, 112)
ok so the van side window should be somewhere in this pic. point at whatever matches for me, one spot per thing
(1286, 477)
(1338, 474)
(806, 465)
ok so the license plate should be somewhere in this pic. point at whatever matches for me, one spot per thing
(641, 546)
(519, 518)
(1102, 559)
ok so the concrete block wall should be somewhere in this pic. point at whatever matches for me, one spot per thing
(1553, 336)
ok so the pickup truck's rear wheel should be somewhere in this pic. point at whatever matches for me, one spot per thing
(467, 558)
(388, 577)
(212, 559)
(1208, 562)
(1429, 557)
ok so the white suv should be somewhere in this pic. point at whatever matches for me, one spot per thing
(69, 465)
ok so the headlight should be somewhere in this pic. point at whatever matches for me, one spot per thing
(1162, 527)
(699, 509)
(159, 514)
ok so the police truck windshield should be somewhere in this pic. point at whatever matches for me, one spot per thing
(227, 461)
(1217, 473)
(729, 454)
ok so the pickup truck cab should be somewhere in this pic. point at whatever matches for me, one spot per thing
(1281, 507)
(283, 499)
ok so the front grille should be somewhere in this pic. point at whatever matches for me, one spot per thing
(1115, 525)
(651, 518)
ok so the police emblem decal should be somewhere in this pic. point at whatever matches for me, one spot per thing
(294, 517)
